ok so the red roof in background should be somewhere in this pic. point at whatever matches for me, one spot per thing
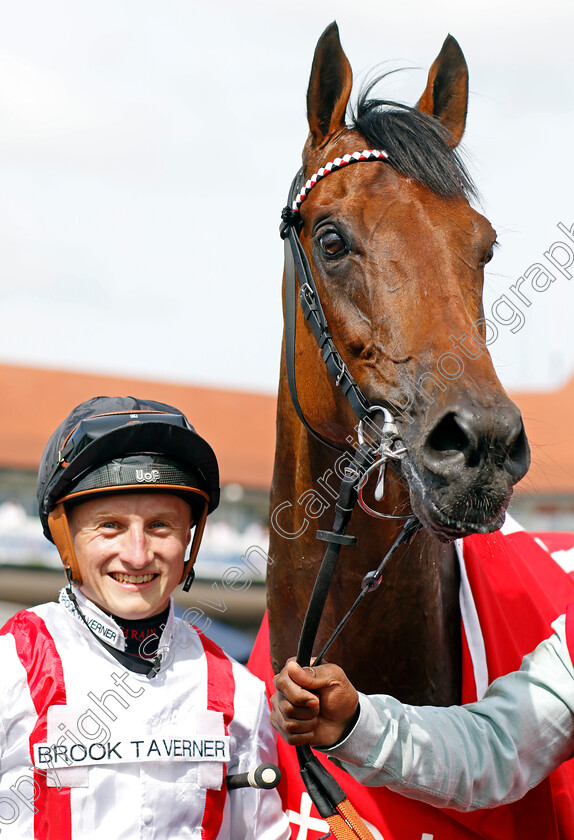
(549, 421)
(241, 426)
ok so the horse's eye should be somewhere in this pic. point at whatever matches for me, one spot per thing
(490, 253)
(331, 243)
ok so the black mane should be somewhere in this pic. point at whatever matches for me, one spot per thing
(416, 143)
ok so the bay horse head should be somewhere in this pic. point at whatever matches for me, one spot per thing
(397, 254)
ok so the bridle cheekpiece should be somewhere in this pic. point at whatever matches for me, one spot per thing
(366, 458)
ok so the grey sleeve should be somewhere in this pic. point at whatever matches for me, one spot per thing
(476, 756)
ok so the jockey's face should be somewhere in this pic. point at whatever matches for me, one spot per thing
(131, 550)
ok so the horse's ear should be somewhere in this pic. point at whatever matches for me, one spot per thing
(329, 87)
(446, 94)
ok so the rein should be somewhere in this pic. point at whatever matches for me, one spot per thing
(329, 798)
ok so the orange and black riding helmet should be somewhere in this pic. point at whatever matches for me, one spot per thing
(124, 444)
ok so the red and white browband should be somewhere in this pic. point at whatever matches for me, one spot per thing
(332, 166)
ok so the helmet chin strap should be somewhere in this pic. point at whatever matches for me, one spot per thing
(60, 531)
(188, 570)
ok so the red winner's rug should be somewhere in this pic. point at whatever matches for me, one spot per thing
(513, 585)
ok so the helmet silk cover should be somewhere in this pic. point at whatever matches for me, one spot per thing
(124, 444)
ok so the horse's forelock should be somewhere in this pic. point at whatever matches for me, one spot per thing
(417, 144)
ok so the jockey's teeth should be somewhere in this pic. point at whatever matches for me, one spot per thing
(122, 578)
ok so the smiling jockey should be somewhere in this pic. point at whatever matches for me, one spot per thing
(117, 717)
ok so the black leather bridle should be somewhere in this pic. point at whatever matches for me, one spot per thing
(325, 792)
(297, 268)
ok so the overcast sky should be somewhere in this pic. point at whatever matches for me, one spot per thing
(146, 149)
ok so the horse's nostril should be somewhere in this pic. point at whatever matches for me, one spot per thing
(448, 435)
(518, 455)
(467, 438)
